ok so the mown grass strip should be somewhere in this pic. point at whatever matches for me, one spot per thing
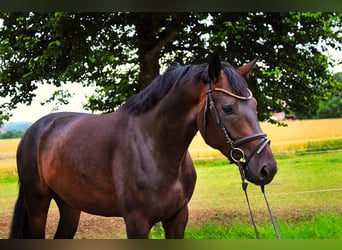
(317, 226)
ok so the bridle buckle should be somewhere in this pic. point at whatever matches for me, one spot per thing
(238, 155)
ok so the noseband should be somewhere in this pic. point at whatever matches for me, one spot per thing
(237, 154)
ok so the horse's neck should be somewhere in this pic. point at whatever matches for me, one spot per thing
(172, 125)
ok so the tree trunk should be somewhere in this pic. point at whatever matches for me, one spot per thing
(149, 68)
(149, 48)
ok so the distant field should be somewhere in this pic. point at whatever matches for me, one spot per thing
(8, 148)
(299, 135)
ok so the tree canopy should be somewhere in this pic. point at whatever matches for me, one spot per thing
(332, 108)
(121, 53)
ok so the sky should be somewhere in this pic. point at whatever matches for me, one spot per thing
(36, 110)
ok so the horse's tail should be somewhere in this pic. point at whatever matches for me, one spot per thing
(20, 226)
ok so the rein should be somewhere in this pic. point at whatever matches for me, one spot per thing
(237, 154)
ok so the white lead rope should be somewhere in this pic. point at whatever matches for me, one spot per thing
(270, 213)
(244, 188)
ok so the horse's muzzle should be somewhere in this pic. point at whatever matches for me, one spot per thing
(263, 175)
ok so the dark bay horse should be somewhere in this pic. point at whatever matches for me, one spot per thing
(134, 163)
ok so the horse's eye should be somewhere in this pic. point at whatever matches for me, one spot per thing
(228, 109)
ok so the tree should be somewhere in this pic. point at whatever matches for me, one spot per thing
(12, 134)
(332, 108)
(120, 53)
(338, 77)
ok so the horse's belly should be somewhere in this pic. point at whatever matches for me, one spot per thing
(91, 200)
(91, 193)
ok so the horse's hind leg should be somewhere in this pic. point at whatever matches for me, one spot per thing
(175, 225)
(68, 221)
(37, 210)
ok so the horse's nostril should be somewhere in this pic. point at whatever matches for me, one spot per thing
(264, 172)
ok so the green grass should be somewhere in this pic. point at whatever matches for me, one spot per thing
(305, 197)
(219, 182)
(318, 226)
(7, 172)
(8, 193)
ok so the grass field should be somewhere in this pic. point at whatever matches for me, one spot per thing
(317, 226)
(305, 196)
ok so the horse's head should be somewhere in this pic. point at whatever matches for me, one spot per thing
(228, 121)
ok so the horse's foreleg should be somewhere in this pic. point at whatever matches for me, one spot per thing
(137, 226)
(68, 221)
(175, 225)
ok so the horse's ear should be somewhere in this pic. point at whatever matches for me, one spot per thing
(214, 68)
(247, 68)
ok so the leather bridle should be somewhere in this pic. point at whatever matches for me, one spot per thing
(237, 155)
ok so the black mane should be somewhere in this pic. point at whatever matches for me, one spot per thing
(160, 86)
(175, 75)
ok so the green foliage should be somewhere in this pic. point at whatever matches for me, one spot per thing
(331, 108)
(293, 73)
(338, 77)
(120, 53)
(12, 134)
(59, 97)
